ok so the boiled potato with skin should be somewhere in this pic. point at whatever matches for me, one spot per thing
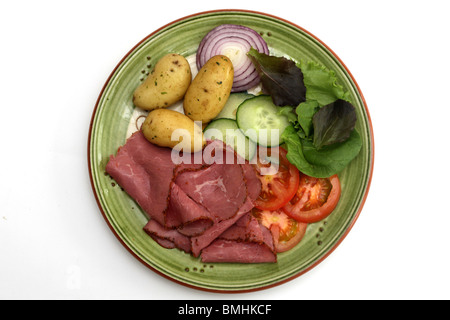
(169, 128)
(210, 89)
(166, 84)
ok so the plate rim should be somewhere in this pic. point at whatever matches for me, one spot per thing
(298, 274)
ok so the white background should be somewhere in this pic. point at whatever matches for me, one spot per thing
(55, 58)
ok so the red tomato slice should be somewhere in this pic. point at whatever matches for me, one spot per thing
(278, 188)
(286, 232)
(315, 199)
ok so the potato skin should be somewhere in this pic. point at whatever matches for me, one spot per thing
(161, 123)
(210, 89)
(166, 84)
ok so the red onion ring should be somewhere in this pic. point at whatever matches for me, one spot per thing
(233, 41)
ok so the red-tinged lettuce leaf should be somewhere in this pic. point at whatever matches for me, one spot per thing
(280, 77)
(333, 123)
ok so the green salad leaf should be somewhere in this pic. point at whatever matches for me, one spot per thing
(321, 163)
(305, 112)
(321, 84)
(288, 112)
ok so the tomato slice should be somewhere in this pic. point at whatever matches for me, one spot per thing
(277, 188)
(286, 232)
(315, 199)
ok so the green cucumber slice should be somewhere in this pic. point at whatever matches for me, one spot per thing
(260, 121)
(228, 131)
(233, 102)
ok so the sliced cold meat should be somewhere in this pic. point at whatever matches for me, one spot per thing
(167, 238)
(145, 172)
(247, 241)
(183, 213)
(252, 181)
(202, 241)
(220, 188)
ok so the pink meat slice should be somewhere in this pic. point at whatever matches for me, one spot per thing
(227, 155)
(168, 238)
(206, 238)
(252, 181)
(220, 188)
(145, 172)
(183, 213)
(247, 241)
(222, 250)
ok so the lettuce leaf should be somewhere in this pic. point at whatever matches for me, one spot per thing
(321, 163)
(321, 84)
(305, 112)
(280, 77)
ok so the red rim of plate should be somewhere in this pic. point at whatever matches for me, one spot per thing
(299, 273)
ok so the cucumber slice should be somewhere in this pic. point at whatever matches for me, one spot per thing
(228, 131)
(259, 120)
(233, 102)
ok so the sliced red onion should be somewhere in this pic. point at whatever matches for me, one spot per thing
(233, 41)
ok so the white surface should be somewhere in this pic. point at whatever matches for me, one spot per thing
(55, 58)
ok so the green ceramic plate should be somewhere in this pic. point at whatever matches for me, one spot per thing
(115, 116)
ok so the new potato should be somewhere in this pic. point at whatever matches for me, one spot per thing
(166, 84)
(210, 89)
(169, 128)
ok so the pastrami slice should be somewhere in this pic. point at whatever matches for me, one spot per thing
(145, 172)
(185, 214)
(247, 241)
(205, 239)
(168, 238)
(222, 250)
(220, 188)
